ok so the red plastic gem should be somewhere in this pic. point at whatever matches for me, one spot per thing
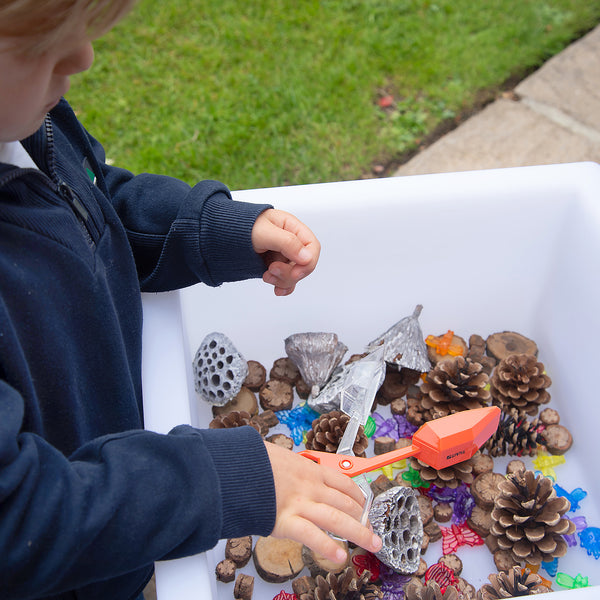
(458, 535)
(366, 562)
(441, 574)
(285, 596)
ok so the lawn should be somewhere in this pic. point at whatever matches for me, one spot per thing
(282, 92)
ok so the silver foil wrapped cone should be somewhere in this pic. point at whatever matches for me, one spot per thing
(404, 344)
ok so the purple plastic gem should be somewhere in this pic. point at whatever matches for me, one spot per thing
(580, 525)
(385, 427)
(589, 539)
(463, 504)
(392, 583)
(405, 428)
(440, 494)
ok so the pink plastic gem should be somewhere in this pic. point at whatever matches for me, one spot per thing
(458, 535)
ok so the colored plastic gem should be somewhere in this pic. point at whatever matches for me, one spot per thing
(534, 569)
(442, 575)
(440, 494)
(571, 583)
(551, 567)
(367, 562)
(404, 345)
(589, 539)
(298, 420)
(396, 427)
(413, 477)
(545, 463)
(580, 525)
(443, 344)
(370, 427)
(464, 504)
(283, 595)
(392, 583)
(574, 497)
(458, 535)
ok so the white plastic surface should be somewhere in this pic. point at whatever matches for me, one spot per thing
(485, 251)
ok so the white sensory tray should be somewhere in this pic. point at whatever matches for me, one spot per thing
(483, 251)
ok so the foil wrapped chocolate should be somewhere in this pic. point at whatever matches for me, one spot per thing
(396, 518)
(316, 355)
(219, 369)
(404, 344)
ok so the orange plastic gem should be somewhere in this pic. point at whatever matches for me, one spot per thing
(443, 344)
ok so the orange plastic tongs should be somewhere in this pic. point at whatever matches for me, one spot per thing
(439, 443)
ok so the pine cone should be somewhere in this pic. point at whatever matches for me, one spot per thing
(519, 382)
(233, 419)
(344, 586)
(517, 582)
(527, 518)
(416, 590)
(449, 477)
(515, 436)
(327, 431)
(458, 384)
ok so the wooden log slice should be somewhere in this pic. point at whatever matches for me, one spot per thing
(244, 587)
(284, 369)
(480, 521)
(485, 489)
(239, 550)
(435, 357)
(276, 395)
(557, 439)
(257, 375)
(277, 560)
(452, 562)
(244, 401)
(225, 571)
(503, 344)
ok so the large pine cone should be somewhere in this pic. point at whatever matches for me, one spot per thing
(516, 436)
(327, 432)
(450, 477)
(519, 381)
(527, 518)
(416, 590)
(457, 384)
(517, 582)
(344, 586)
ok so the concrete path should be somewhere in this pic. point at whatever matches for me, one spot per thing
(551, 117)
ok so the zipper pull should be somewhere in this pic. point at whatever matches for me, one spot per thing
(69, 195)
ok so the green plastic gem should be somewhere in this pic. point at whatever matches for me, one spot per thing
(370, 427)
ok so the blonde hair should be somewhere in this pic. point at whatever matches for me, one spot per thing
(36, 25)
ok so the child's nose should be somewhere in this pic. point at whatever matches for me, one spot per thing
(80, 59)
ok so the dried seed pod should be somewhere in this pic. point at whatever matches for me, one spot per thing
(244, 587)
(257, 375)
(225, 571)
(233, 419)
(219, 369)
(276, 394)
(396, 518)
(485, 488)
(284, 369)
(245, 401)
(557, 438)
(239, 550)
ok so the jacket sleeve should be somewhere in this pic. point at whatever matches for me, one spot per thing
(122, 501)
(179, 235)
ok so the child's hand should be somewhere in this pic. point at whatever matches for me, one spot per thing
(312, 498)
(289, 248)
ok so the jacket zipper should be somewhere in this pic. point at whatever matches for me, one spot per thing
(65, 191)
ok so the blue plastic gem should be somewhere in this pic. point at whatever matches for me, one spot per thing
(575, 497)
(589, 539)
(551, 567)
(298, 420)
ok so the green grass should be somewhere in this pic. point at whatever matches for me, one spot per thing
(284, 92)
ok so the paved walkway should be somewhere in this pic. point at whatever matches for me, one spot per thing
(551, 117)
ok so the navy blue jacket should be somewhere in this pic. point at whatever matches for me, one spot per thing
(88, 499)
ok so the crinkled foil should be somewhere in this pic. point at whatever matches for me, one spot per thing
(404, 344)
(316, 355)
(219, 369)
(396, 518)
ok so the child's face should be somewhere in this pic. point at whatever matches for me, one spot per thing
(32, 85)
